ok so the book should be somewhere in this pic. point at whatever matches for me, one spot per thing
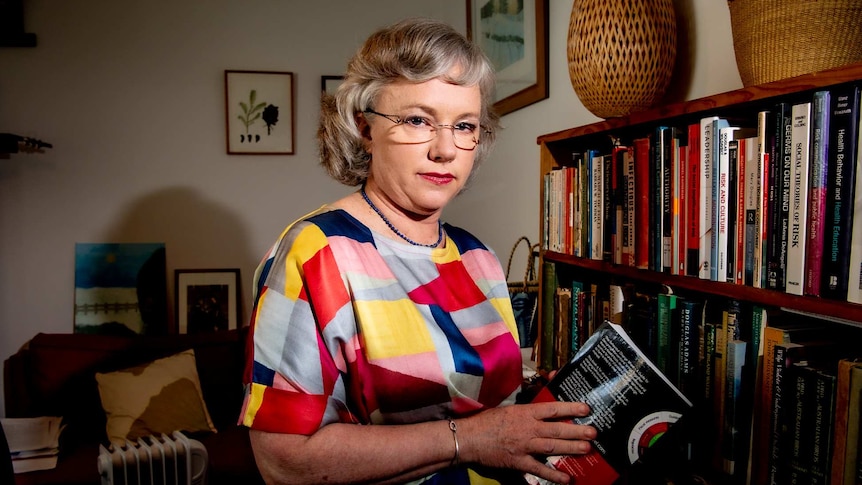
(717, 212)
(800, 141)
(545, 349)
(779, 197)
(34, 443)
(633, 405)
(761, 215)
(706, 200)
(679, 173)
(692, 201)
(630, 222)
(846, 423)
(854, 283)
(736, 418)
(666, 357)
(823, 382)
(753, 226)
(642, 197)
(843, 125)
(817, 191)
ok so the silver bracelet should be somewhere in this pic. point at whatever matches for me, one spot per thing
(457, 456)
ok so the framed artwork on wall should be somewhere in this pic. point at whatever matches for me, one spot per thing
(514, 36)
(259, 112)
(328, 84)
(207, 300)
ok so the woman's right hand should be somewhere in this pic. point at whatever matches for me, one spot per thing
(512, 436)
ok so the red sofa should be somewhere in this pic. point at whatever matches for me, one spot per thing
(54, 375)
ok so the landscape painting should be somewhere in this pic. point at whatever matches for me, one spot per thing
(120, 288)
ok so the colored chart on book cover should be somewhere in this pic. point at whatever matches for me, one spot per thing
(648, 431)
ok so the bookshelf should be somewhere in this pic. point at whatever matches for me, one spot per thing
(557, 151)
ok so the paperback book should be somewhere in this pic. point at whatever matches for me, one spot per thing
(633, 405)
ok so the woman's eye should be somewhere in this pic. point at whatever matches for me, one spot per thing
(465, 127)
(416, 121)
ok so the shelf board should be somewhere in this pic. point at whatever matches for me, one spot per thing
(841, 310)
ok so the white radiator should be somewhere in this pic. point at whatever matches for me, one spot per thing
(154, 460)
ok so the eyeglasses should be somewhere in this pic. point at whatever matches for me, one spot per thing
(418, 129)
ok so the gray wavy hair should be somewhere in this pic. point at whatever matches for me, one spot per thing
(416, 50)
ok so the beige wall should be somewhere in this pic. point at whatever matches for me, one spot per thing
(131, 96)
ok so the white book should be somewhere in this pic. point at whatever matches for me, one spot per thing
(721, 201)
(705, 215)
(854, 280)
(800, 139)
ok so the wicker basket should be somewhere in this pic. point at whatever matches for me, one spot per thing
(621, 54)
(777, 39)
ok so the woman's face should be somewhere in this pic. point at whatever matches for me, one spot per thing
(419, 179)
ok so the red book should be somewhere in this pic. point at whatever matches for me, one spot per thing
(739, 259)
(642, 196)
(692, 201)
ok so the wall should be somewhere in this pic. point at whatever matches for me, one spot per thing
(131, 96)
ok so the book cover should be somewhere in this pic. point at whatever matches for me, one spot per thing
(843, 125)
(707, 143)
(817, 191)
(633, 405)
(692, 201)
(800, 140)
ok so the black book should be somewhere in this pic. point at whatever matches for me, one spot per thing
(779, 196)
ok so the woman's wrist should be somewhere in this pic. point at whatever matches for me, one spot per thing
(456, 458)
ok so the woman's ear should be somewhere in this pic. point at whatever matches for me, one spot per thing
(364, 131)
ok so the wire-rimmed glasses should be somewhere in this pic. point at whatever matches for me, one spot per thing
(418, 129)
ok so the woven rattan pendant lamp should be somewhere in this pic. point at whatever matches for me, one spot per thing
(621, 53)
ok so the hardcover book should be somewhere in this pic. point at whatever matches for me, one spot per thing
(633, 405)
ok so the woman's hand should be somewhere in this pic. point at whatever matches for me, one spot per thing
(511, 436)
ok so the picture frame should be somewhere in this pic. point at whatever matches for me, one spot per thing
(328, 84)
(207, 300)
(259, 112)
(521, 57)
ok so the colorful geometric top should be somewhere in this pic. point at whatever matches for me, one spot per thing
(350, 326)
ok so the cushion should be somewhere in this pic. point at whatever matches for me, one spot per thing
(157, 397)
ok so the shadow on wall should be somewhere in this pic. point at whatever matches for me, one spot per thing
(198, 233)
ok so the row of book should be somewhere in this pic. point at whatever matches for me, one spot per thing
(781, 391)
(766, 202)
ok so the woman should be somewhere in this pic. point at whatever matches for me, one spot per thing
(384, 345)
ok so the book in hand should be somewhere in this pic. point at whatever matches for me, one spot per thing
(632, 405)
(33, 442)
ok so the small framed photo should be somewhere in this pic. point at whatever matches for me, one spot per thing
(328, 84)
(259, 112)
(207, 300)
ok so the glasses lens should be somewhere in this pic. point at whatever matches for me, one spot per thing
(408, 132)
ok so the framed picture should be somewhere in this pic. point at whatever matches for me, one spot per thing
(259, 112)
(207, 300)
(514, 36)
(328, 84)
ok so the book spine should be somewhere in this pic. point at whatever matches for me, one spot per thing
(630, 225)
(778, 401)
(715, 212)
(597, 211)
(798, 437)
(577, 327)
(839, 196)
(741, 225)
(783, 195)
(608, 209)
(706, 199)
(823, 426)
(667, 175)
(692, 201)
(678, 239)
(721, 201)
(817, 192)
(734, 415)
(546, 342)
(800, 140)
(732, 209)
(762, 214)
(690, 320)
(854, 283)
(642, 209)
(666, 305)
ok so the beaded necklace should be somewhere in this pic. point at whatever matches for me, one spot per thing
(396, 231)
